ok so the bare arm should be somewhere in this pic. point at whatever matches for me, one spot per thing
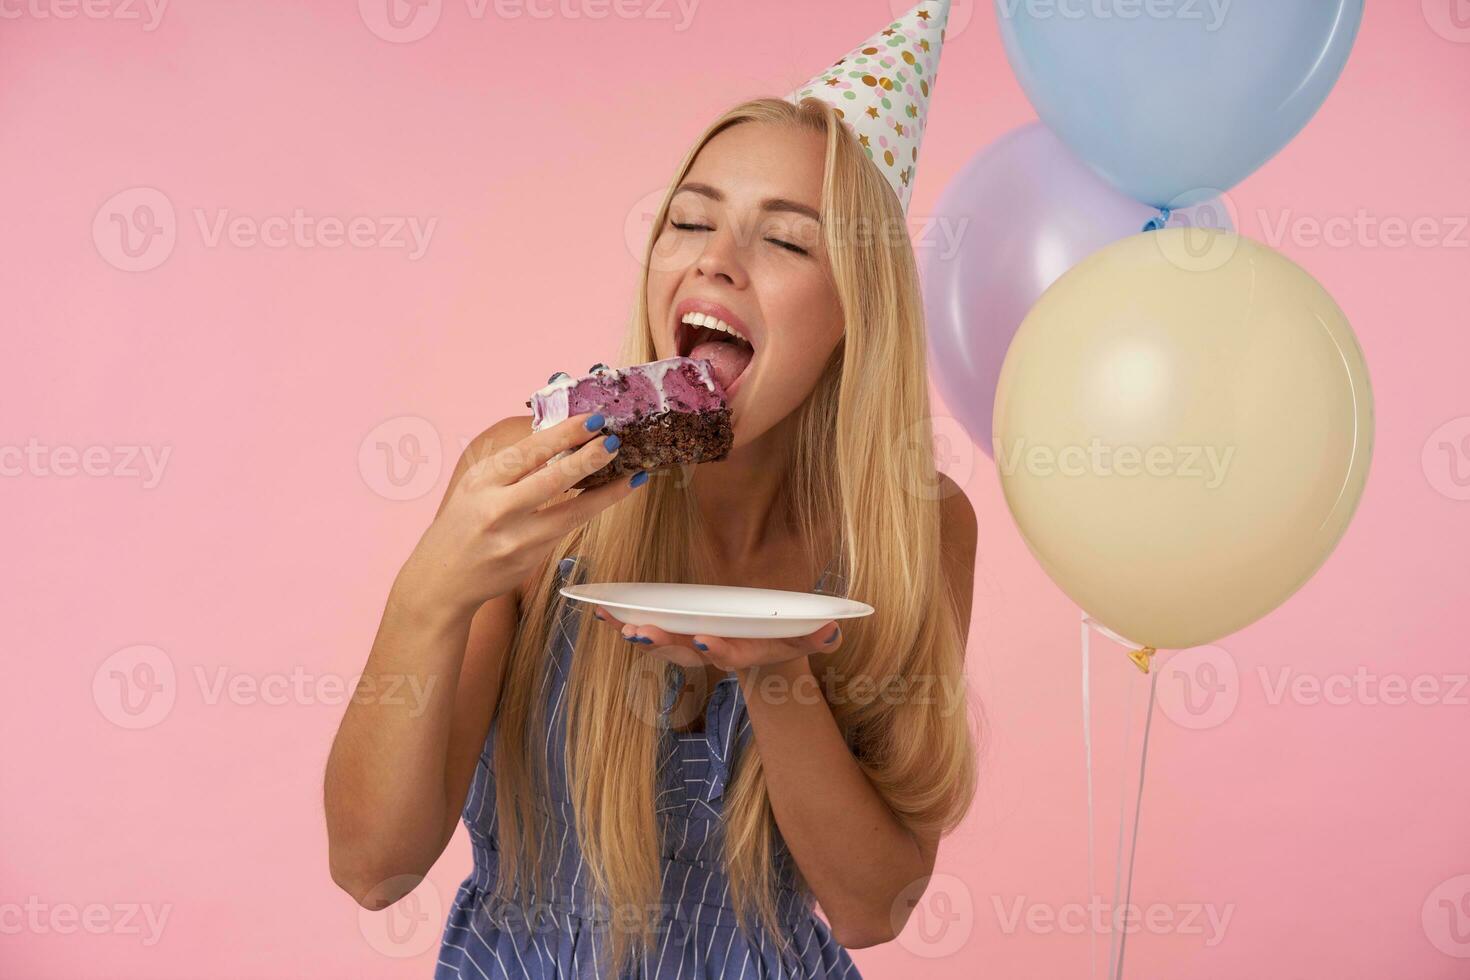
(822, 799)
(824, 802)
(400, 767)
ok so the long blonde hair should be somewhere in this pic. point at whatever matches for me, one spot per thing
(861, 479)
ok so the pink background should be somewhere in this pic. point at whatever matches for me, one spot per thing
(1331, 828)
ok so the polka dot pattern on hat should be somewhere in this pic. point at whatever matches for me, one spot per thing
(881, 89)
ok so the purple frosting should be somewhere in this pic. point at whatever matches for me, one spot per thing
(622, 395)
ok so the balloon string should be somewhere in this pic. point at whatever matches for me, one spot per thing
(1118, 852)
(1148, 718)
(1141, 657)
(1091, 830)
(1155, 223)
(1116, 944)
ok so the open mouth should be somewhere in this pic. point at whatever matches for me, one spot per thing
(709, 338)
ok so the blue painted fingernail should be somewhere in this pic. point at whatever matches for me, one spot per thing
(631, 639)
(700, 646)
(595, 422)
(835, 631)
(646, 639)
(611, 442)
(639, 478)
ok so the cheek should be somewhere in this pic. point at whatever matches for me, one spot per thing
(819, 331)
(660, 285)
(823, 315)
(796, 360)
(808, 327)
(658, 298)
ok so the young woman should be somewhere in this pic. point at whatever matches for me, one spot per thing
(645, 804)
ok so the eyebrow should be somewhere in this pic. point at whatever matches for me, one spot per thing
(769, 204)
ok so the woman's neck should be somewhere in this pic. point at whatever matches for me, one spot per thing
(741, 498)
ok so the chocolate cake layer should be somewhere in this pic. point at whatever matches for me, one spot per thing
(666, 439)
(666, 413)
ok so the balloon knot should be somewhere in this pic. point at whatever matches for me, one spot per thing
(1154, 224)
(1142, 657)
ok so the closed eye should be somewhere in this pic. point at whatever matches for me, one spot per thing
(787, 245)
(790, 247)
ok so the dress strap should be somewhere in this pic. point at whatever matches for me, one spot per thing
(833, 580)
(674, 681)
(572, 569)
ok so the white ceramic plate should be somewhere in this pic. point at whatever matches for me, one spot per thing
(718, 610)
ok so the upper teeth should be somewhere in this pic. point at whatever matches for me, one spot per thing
(714, 323)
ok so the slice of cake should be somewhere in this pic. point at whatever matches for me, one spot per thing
(665, 412)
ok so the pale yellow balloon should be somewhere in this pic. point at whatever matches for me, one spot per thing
(1183, 426)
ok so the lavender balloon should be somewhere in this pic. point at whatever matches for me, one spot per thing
(1021, 213)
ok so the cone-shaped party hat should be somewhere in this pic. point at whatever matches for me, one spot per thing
(881, 89)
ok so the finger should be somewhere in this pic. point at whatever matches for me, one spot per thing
(683, 656)
(676, 648)
(527, 455)
(653, 636)
(825, 639)
(552, 522)
(552, 481)
(733, 654)
(603, 616)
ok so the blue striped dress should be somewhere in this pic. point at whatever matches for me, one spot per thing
(697, 935)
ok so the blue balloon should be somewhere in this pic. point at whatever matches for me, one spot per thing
(1175, 101)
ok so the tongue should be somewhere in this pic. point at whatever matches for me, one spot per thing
(726, 359)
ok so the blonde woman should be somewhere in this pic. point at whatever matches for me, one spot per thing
(649, 805)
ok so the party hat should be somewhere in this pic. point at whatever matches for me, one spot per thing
(881, 89)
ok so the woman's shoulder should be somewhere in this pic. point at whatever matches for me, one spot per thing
(958, 534)
(955, 510)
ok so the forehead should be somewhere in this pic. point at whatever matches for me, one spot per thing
(753, 161)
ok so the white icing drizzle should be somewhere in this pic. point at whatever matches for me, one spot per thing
(551, 401)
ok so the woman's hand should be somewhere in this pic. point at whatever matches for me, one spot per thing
(726, 653)
(504, 515)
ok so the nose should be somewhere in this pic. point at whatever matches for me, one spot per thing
(721, 258)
